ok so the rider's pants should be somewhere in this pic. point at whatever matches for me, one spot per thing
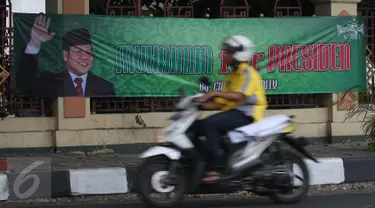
(213, 127)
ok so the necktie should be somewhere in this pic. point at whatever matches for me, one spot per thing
(79, 88)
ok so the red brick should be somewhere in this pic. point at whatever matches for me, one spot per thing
(3, 164)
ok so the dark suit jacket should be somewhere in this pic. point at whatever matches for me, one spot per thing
(50, 84)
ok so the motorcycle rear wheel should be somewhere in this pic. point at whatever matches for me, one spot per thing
(290, 198)
(149, 171)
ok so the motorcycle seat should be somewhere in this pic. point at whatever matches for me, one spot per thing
(267, 126)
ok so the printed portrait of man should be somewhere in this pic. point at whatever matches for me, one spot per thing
(75, 80)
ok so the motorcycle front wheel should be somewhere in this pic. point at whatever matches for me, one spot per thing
(152, 187)
(288, 196)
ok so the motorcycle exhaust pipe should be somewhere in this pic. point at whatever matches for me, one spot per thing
(276, 176)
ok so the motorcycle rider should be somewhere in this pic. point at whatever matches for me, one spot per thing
(242, 100)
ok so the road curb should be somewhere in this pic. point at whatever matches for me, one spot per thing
(359, 168)
(118, 180)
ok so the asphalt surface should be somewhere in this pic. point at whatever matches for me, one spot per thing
(352, 200)
(106, 158)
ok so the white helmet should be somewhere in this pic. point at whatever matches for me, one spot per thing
(241, 47)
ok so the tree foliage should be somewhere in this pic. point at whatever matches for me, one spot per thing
(361, 106)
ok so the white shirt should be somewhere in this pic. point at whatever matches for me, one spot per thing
(33, 50)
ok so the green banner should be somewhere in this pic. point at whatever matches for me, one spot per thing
(89, 55)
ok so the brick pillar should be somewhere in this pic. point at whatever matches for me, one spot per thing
(76, 7)
(68, 108)
(72, 107)
(337, 104)
(335, 7)
(67, 6)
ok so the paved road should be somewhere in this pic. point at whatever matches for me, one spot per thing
(358, 200)
(63, 161)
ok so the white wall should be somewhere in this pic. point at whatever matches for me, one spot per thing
(26, 6)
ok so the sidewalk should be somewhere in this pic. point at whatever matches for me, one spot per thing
(108, 173)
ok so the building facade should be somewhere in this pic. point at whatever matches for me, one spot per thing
(71, 123)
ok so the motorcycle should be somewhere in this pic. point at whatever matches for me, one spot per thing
(255, 157)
